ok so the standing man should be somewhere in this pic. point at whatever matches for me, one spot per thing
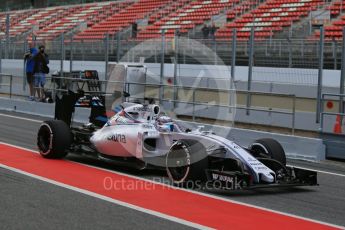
(134, 30)
(40, 70)
(29, 67)
(205, 31)
(213, 30)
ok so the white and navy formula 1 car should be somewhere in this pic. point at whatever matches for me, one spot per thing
(139, 135)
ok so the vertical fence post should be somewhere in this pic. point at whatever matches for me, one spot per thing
(290, 50)
(250, 69)
(132, 50)
(71, 45)
(118, 46)
(175, 65)
(156, 61)
(335, 53)
(293, 114)
(33, 38)
(193, 98)
(62, 47)
(25, 48)
(320, 75)
(322, 117)
(161, 89)
(310, 24)
(190, 46)
(342, 75)
(7, 34)
(127, 50)
(106, 55)
(266, 48)
(233, 58)
(233, 67)
(280, 48)
(271, 34)
(82, 50)
(11, 83)
(0, 62)
(1, 56)
(215, 51)
(302, 48)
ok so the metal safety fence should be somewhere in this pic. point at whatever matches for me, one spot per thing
(303, 60)
(197, 99)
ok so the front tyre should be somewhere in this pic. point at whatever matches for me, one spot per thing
(53, 139)
(269, 148)
(186, 161)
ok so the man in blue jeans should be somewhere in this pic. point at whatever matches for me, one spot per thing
(29, 69)
(41, 61)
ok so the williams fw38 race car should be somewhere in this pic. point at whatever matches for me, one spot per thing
(140, 135)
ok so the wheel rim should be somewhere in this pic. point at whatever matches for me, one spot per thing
(260, 150)
(178, 164)
(44, 139)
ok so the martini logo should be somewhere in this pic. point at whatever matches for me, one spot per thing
(117, 138)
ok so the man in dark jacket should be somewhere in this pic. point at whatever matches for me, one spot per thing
(40, 69)
(29, 69)
(205, 31)
(213, 30)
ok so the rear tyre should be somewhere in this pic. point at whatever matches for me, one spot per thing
(53, 139)
(186, 162)
(270, 148)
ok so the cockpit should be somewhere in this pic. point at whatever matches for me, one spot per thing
(132, 113)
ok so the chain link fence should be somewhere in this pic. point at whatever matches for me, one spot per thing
(281, 53)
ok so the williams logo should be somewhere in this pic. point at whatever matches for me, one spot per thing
(227, 182)
(222, 178)
(117, 138)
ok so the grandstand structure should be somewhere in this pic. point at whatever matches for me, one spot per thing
(88, 25)
(184, 15)
(334, 30)
(94, 20)
(129, 14)
(269, 17)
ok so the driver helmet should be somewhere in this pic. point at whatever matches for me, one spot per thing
(164, 120)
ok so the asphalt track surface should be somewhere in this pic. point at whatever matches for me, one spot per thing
(28, 203)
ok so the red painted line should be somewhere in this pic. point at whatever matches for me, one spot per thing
(178, 203)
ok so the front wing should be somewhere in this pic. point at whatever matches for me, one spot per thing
(237, 180)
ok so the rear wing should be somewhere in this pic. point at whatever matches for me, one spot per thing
(84, 89)
(79, 89)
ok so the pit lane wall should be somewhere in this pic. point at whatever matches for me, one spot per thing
(311, 149)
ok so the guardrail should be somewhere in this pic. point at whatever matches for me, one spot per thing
(194, 102)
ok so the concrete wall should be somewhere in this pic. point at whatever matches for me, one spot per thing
(295, 76)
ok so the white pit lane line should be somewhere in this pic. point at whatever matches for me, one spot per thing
(105, 198)
(174, 219)
(20, 118)
(319, 171)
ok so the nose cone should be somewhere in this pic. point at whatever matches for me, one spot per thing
(267, 177)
